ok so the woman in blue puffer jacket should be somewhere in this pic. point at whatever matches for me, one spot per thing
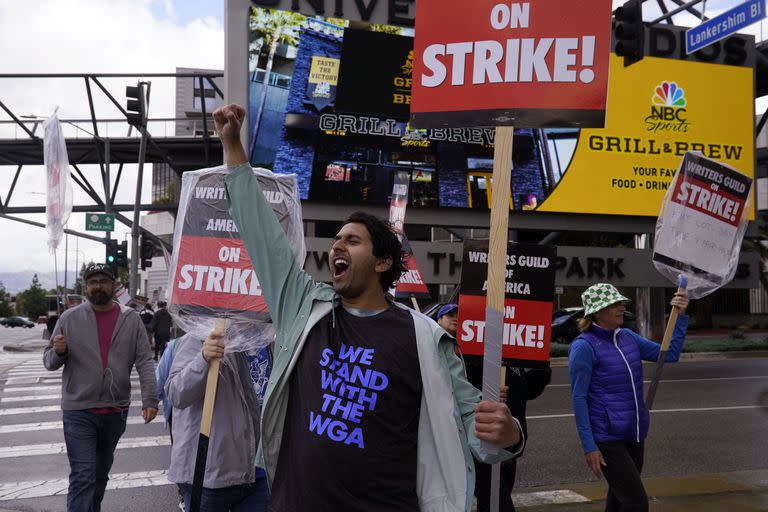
(606, 371)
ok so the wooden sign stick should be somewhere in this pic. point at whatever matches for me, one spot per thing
(682, 285)
(497, 267)
(205, 423)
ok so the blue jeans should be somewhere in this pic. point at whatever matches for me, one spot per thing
(237, 498)
(91, 440)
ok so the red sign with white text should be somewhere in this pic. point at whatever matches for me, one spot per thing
(527, 326)
(411, 282)
(529, 287)
(527, 64)
(216, 273)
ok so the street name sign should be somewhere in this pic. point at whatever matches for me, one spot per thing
(100, 222)
(724, 25)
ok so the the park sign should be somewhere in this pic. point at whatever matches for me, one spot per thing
(527, 64)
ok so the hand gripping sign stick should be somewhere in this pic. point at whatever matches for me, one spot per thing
(682, 285)
(497, 265)
(205, 422)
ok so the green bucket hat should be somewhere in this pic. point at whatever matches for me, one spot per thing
(599, 296)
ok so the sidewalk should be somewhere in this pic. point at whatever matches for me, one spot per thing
(741, 491)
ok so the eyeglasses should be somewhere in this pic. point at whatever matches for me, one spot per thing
(98, 282)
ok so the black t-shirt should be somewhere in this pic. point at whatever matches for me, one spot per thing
(350, 435)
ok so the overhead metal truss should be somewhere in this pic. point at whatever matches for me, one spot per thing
(186, 153)
(179, 153)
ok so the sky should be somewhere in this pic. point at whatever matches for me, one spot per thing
(91, 36)
(118, 36)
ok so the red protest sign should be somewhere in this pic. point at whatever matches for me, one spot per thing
(531, 64)
(702, 224)
(527, 328)
(411, 282)
(216, 273)
(212, 273)
(529, 291)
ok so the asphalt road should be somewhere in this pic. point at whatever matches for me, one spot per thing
(21, 336)
(710, 417)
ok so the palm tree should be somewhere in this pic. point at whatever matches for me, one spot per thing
(387, 29)
(271, 27)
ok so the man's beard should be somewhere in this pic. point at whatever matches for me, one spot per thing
(99, 298)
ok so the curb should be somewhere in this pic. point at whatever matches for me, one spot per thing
(671, 486)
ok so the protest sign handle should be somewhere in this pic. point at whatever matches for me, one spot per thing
(497, 266)
(664, 347)
(205, 424)
(415, 304)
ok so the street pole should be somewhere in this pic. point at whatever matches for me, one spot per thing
(107, 185)
(134, 271)
(66, 267)
(77, 253)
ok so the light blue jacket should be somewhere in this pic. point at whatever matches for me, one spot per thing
(446, 440)
(161, 374)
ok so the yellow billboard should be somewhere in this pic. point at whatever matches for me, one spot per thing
(657, 110)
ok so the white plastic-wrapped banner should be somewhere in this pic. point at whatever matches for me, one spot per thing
(411, 282)
(702, 223)
(58, 205)
(211, 275)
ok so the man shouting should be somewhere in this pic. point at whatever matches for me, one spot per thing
(98, 343)
(367, 407)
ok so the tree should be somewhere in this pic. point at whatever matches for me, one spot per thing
(5, 302)
(79, 282)
(271, 27)
(32, 301)
(758, 245)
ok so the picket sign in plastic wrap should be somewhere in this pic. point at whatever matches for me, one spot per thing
(702, 223)
(211, 275)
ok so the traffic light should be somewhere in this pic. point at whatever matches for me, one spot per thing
(147, 250)
(121, 258)
(111, 256)
(135, 106)
(629, 31)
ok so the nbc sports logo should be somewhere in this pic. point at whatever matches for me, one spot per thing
(668, 112)
(669, 94)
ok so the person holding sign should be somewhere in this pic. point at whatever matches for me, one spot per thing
(367, 407)
(232, 481)
(521, 385)
(606, 372)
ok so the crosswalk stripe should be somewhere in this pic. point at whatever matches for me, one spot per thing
(27, 389)
(45, 408)
(30, 398)
(44, 488)
(52, 425)
(43, 380)
(31, 380)
(556, 497)
(35, 450)
(24, 371)
(15, 375)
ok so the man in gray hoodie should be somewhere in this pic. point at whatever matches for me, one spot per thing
(98, 343)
